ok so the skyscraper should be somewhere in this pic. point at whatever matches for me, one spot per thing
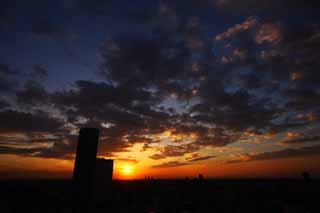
(84, 168)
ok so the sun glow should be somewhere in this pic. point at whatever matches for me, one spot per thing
(127, 170)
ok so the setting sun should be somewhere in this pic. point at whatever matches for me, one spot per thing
(127, 170)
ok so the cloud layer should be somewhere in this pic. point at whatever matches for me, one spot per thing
(177, 89)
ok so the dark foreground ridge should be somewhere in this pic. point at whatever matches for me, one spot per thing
(168, 196)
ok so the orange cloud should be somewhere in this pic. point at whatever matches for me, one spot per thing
(238, 28)
(268, 33)
(295, 76)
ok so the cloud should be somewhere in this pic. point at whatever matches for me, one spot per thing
(63, 149)
(39, 121)
(39, 144)
(300, 140)
(268, 33)
(157, 156)
(166, 72)
(128, 160)
(129, 110)
(179, 163)
(170, 164)
(33, 93)
(7, 70)
(5, 84)
(286, 153)
(28, 140)
(149, 61)
(256, 77)
(3, 104)
(175, 151)
(272, 6)
(88, 92)
(7, 81)
(39, 72)
(197, 159)
(236, 29)
(236, 111)
(302, 98)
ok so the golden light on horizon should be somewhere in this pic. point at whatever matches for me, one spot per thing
(127, 170)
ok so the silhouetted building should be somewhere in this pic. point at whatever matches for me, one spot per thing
(103, 178)
(84, 168)
(306, 176)
(200, 176)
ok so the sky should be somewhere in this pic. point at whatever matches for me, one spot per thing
(225, 88)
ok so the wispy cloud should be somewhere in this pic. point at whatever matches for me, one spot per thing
(286, 153)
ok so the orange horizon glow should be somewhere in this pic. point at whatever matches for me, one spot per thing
(36, 168)
(135, 163)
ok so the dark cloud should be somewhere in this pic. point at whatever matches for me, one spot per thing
(254, 76)
(249, 81)
(39, 139)
(128, 160)
(149, 61)
(279, 73)
(301, 140)
(123, 114)
(88, 92)
(179, 163)
(39, 72)
(7, 70)
(197, 159)
(157, 156)
(33, 93)
(275, 6)
(125, 109)
(7, 74)
(16, 121)
(236, 111)
(17, 151)
(3, 104)
(301, 99)
(216, 140)
(57, 148)
(5, 84)
(286, 153)
(97, 7)
(236, 29)
(175, 151)
(170, 164)
(44, 142)
(63, 149)
(112, 144)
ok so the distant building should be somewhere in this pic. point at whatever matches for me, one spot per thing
(84, 167)
(306, 177)
(200, 176)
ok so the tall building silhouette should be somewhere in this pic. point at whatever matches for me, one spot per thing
(103, 178)
(84, 168)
